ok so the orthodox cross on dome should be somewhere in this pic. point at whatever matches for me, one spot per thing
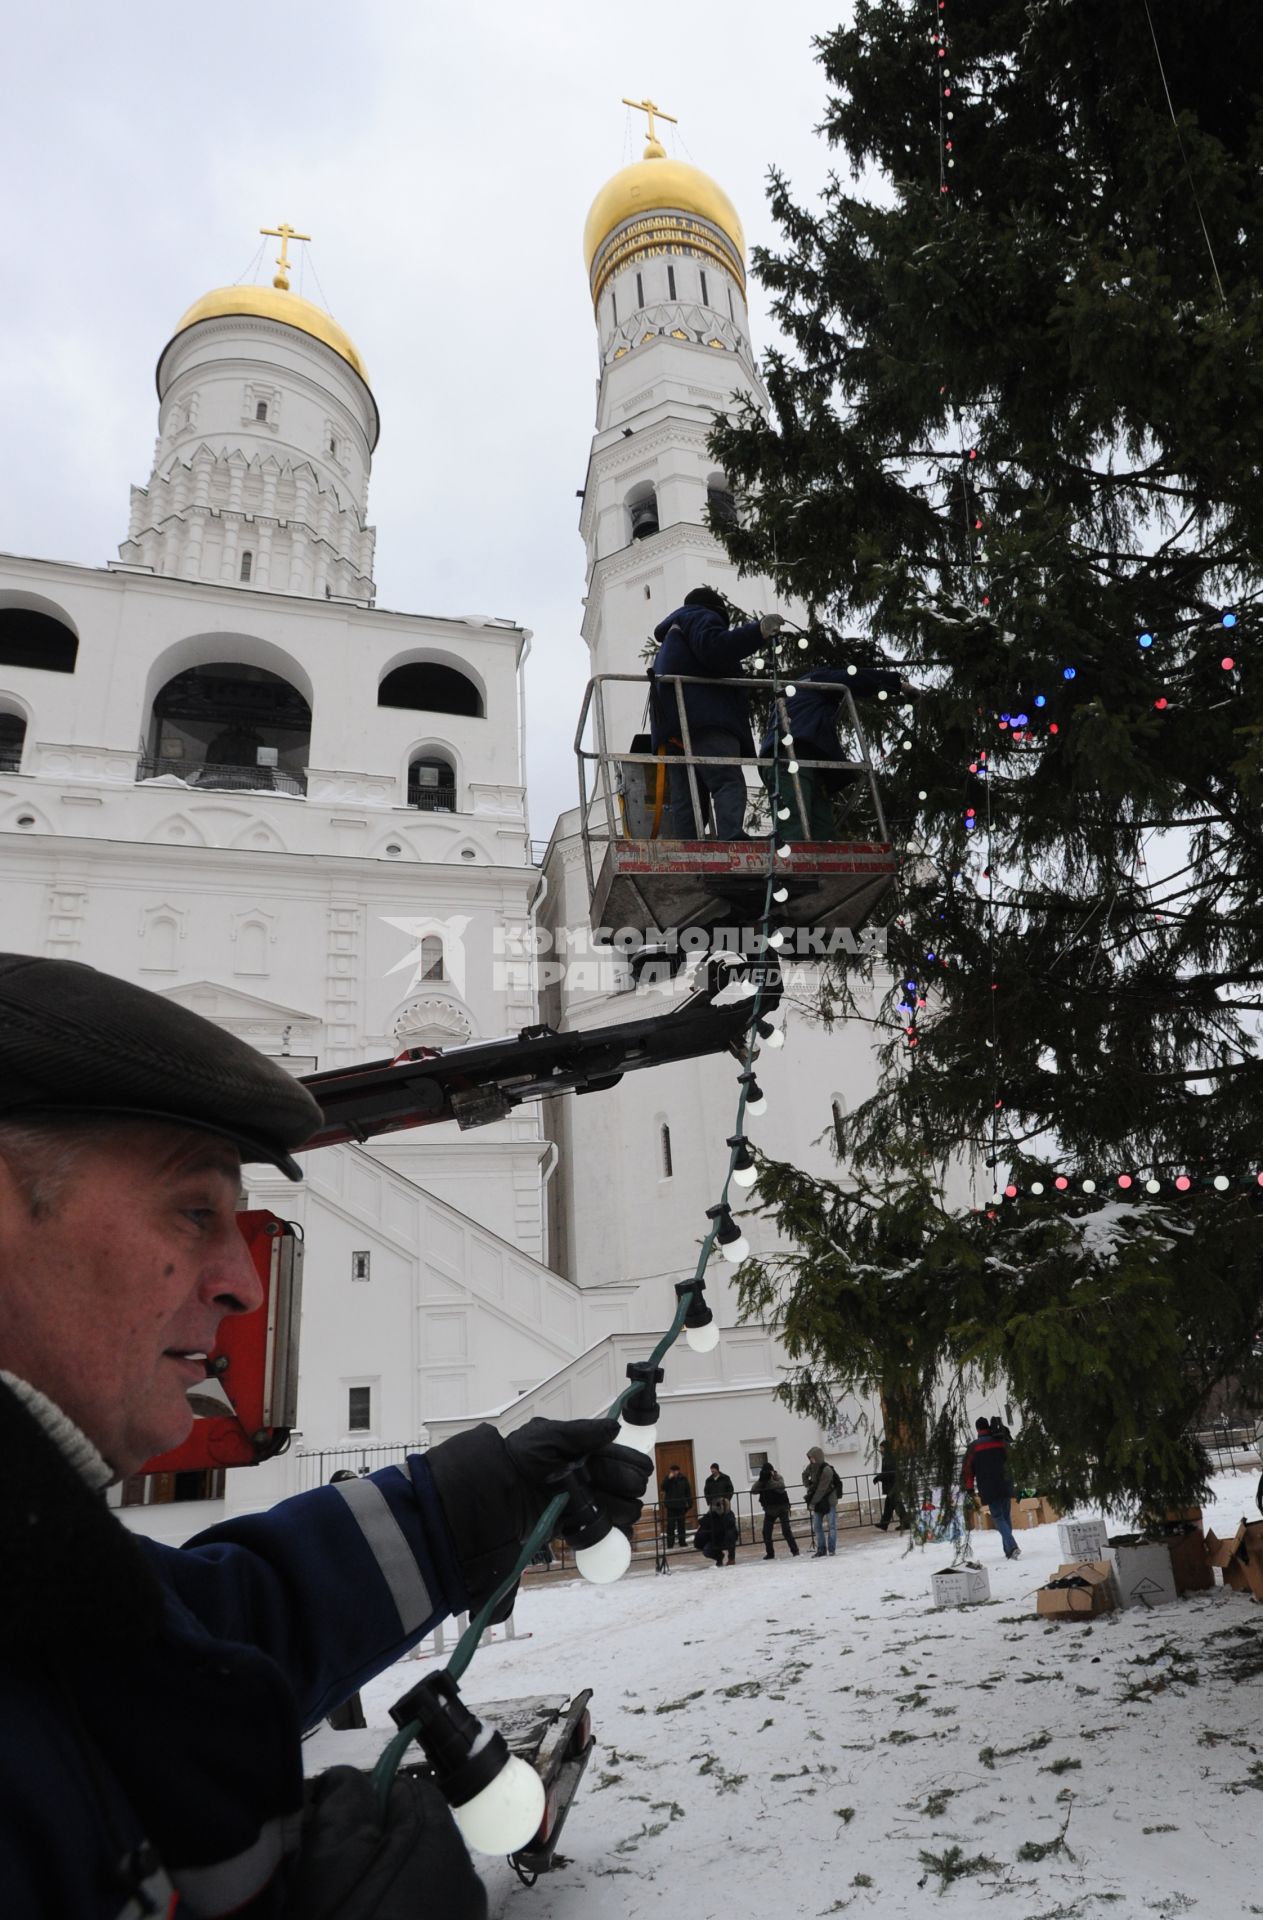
(284, 233)
(655, 149)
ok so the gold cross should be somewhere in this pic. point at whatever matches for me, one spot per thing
(284, 234)
(655, 112)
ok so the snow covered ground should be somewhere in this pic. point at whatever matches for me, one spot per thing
(793, 1738)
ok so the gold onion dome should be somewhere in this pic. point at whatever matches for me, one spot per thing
(273, 303)
(656, 184)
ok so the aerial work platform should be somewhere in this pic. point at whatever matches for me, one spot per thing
(641, 880)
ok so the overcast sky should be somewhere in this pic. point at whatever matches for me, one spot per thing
(443, 159)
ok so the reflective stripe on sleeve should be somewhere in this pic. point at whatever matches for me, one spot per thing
(390, 1549)
(228, 1884)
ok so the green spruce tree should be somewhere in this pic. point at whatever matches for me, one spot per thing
(1016, 448)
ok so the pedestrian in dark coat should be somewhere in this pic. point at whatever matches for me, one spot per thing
(717, 1535)
(774, 1500)
(888, 1481)
(813, 712)
(677, 1498)
(821, 1488)
(986, 1473)
(717, 1487)
(696, 640)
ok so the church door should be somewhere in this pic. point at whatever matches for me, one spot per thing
(676, 1453)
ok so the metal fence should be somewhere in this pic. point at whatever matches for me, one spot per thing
(316, 1469)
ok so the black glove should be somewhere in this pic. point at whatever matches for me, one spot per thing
(493, 1490)
(543, 1451)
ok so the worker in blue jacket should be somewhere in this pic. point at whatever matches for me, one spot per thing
(153, 1698)
(697, 641)
(813, 711)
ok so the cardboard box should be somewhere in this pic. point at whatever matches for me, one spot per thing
(1049, 1514)
(1024, 1514)
(1143, 1570)
(1189, 1561)
(1218, 1552)
(1094, 1591)
(1081, 1539)
(961, 1586)
(1241, 1558)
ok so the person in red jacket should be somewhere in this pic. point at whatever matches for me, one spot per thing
(986, 1473)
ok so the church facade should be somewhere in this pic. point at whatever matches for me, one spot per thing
(226, 774)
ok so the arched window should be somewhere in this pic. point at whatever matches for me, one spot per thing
(230, 727)
(424, 686)
(261, 410)
(32, 639)
(431, 958)
(667, 1169)
(12, 739)
(720, 502)
(432, 785)
(642, 511)
(247, 564)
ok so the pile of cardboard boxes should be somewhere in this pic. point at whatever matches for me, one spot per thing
(1150, 1569)
(1241, 1558)
(1034, 1511)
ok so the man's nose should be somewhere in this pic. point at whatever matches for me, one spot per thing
(232, 1281)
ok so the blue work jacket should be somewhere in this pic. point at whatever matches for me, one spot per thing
(694, 640)
(815, 706)
(153, 1698)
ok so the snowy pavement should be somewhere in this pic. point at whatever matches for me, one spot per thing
(793, 1738)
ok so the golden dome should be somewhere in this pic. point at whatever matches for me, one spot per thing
(270, 303)
(653, 185)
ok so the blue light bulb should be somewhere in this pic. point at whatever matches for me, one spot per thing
(1040, 700)
(1230, 619)
(970, 825)
(1068, 674)
(1146, 639)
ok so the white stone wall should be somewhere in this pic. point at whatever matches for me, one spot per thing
(289, 490)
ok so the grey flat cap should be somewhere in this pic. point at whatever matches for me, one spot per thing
(76, 1041)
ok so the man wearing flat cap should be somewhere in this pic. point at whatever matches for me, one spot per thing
(152, 1699)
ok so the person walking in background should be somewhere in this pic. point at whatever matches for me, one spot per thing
(677, 1498)
(888, 1481)
(717, 1487)
(717, 1534)
(774, 1500)
(986, 1473)
(696, 641)
(820, 1490)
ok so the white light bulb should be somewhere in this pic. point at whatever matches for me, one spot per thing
(644, 1439)
(780, 893)
(790, 692)
(759, 663)
(782, 813)
(777, 939)
(703, 1339)
(1089, 1186)
(792, 767)
(1221, 1183)
(783, 851)
(787, 739)
(755, 1107)
(608, 1560)
(736, 1250)
(883, 695)
(775, 1039)
(744, 1176)
(1037, 1186)
(852, 669)
(507, 1813)
(1153, 1186)
(802, 646)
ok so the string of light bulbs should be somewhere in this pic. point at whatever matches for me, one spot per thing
(497, 1798)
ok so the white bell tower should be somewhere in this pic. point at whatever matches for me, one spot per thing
(665, 254)
(266, 431)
